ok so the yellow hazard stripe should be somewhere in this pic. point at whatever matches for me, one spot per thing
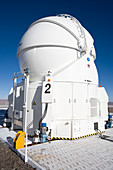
(80, 137)
(30, 136)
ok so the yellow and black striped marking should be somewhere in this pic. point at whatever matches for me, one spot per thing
(59, 138)
(30, 136)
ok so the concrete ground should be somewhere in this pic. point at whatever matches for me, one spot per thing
(90, 153)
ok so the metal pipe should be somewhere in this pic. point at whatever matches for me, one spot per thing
(19, 76)
(26, 85)
(13, 105)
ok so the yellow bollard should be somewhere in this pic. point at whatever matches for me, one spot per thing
(19, 140)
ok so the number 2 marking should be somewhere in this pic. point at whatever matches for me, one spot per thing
(48, 88)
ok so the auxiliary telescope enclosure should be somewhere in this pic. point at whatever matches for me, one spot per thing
(60, 87)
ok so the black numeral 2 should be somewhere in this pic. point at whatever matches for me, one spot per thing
(48, 88)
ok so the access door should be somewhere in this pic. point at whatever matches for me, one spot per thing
(80, 100)
(62, 100)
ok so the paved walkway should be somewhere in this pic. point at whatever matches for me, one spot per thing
(91, 153)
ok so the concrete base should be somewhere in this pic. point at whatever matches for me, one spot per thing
(89, 153)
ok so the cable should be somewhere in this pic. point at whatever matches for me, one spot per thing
(45, 112)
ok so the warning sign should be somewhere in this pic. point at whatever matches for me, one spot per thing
(34, 103)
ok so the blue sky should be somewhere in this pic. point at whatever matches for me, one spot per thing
(17, 15)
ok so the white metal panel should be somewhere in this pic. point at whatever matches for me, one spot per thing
(18, 91)
(92, 91)
(103, 102)
(93, 105)
(80, 101)
(101, 124)
(62, 100)
(83, 127)
(103, 110)
(63, 129)
(102, 95)
(93, 100)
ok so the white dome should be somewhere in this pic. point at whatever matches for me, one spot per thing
(50, 44)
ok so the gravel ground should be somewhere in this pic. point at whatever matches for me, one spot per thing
(9, 160)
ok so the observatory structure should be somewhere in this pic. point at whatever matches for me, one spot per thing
(59, 89)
